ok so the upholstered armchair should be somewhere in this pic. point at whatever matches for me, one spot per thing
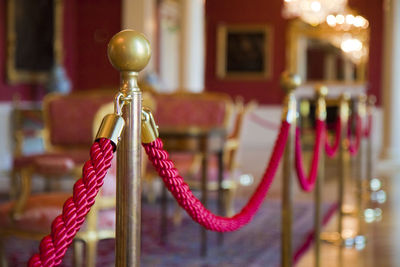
(67, 134)
(69, 124)
(30, 215)
(204, 110)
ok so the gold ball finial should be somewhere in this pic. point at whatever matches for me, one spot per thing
(290, 81)
(321, 90)
(129, 50)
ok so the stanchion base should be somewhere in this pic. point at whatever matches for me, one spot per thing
(372, 215)
(350, 212)
(378, 196)
(358, 242)
(331, 238)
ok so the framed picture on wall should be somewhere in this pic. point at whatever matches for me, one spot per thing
(34, 31)
(244, 51)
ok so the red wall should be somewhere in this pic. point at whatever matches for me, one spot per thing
(248, 12)
(269, 12)
(7, 91)
(373, 11)
(88, 25)
(98, 21)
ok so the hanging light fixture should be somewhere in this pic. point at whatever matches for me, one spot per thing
(354, 38)
(347, 21)
(313, 12)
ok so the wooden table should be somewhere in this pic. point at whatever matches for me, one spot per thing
(196, 140)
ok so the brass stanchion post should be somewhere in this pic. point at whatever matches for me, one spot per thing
(289, 83)
(343, 113)
(129, 52)
(343, 158)
(320, 114)
(370, 108)
(361, 110)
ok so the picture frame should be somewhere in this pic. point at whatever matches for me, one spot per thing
(34, 40)
(244, 51)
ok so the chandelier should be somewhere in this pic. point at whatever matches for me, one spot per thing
(313, 12)
(347, 21)
(354, 37)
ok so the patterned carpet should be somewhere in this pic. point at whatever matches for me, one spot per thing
(257, 244)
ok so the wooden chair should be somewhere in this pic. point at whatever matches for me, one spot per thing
(205, 110)
(30, 216)
(67, 136)
(69, 123)
(26, 129)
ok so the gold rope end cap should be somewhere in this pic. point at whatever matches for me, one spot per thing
(290, 81)
(129, 50)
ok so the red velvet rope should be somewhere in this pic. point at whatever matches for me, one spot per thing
(367, 131)
(307, 184)
(184, 196)
(270, 125)
(353, 147)
(331, 150)
(65, 226)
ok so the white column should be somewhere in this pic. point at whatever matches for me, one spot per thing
(140, 15)
(191, 69)
(391, 81)
(169, 45)
(348, 68)
(301, 54)
(330, 67)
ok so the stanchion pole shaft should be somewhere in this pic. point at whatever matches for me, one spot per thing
(318, 214)
(320, 114)
(359, 184)
(369, 159)
(289, 83)
(369, 163)
(342, 173)
(344, 111)
(361, 112)
(129, 52)
(128, 184)
(287, 203)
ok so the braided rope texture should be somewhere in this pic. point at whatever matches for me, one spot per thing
(53, 247)
(331, 150)
(308, 183)
(184, 196)
(354, 146)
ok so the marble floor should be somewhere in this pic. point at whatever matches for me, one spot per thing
(383, 237)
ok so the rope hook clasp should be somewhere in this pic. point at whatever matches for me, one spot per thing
(113, 124)
(149, 127)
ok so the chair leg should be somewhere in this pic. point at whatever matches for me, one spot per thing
(14, 184)
(228, 197)
(3, 257)
(177, 217)
(150, 192)
(78, 253)
(91, 252)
